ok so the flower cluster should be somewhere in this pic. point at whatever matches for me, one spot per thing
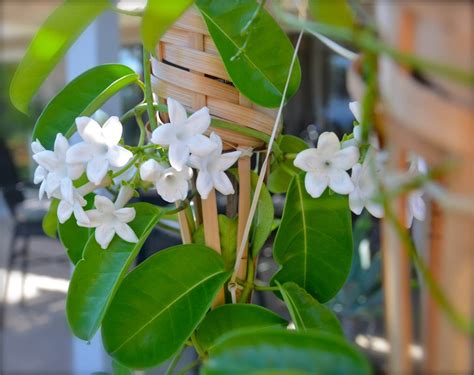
(328, 164)
(70, 172)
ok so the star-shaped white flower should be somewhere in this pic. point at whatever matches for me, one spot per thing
(366, 187)
(184, 135)
(54, 173)
(416, 207)
(172, 185)
(100, 149)
(111, 218)
(211, 169)
(66, 209)
(357, 131)
(326, 166)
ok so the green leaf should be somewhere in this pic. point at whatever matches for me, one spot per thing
(81, 97)
(73, 237)
(261, 67)
(228, 237)
(313, 244)
(228, 318)
(334, 12)
(98, 275)
(158, 16)
(282, 171)
(50, 219)
(119, 369)
(274, 351)
(306, 312)
(160, 304)
(49, 45)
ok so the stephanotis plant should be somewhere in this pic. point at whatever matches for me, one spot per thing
(149, 314)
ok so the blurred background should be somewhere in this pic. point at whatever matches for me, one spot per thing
(34, 270)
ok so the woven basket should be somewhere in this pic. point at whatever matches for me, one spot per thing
(439, 126)
(190, 70)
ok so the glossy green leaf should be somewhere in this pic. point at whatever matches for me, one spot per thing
(306, 312)
(160, 303)
(119, 369)
(81, 97)
(73, 237)
(282, 171)
(260, 68)
(50, 219)
(334, 12)
(228, 318)
(313, 244)
(98, 275)
(49, 45)
(158, 16)
(228, 237)
(274, 351)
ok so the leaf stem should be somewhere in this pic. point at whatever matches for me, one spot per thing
(148, 91)
(249, 284)
(127, 166)
(191, 365)
(200, 351)
(141, 125)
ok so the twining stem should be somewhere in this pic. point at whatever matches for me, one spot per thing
(200, 351)
(249, 284)
(127, 166)
(148, 90)
(141, 126)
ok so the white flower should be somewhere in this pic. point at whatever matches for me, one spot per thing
(100, 149)
(110, 219)
(211, 169)
(416, 207)
(54, 173)
(365, 185)
(66, 209)
(183, 135)
(326, 165)
(357, 131)
(172, 185)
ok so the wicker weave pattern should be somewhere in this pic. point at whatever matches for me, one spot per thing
(190, 70)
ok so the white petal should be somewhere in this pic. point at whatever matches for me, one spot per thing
(328, 143)
(42, 189)
(118, 156)
(89, 130)
(357, 132)
(47, 159)
(217, 140)
(204, 183)
(151, 170)
(346, 158)
(199, 121)
(97, 169)
(164, 135)
(355, 109)
(79, 153)
(178, 155)
(67, 190)
(355, 202)
(80, 215)
(125, 194)
(349, 143)
(74, 171)
(61, 146)
(36, 146)
(222, 183)
(417, 206)
(104, 205)
(65, 210)
(94, 219)
(227, 160)
(200, 145)
(104, 234)
(40, 175)
(52, 183)
(307, 160)
(375, 209)
(195, 161)
(112, 131)
(340, 182)
(315, 184)
(125, 215)
(176, 112)
(356, 173)
(125, 232)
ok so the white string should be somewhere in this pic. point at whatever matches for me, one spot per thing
(258, 188)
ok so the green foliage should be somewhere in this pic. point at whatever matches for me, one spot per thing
(119, 369)
(49, 45)
(228, 318)
(98, 275)
(273, 351)
(306, 312)
(73, 237)
(50, 220)
(158, 16)
(313, 244)
(81, 97)
(160, 303)
(334, 12)
(257, 57)
(283, 170)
